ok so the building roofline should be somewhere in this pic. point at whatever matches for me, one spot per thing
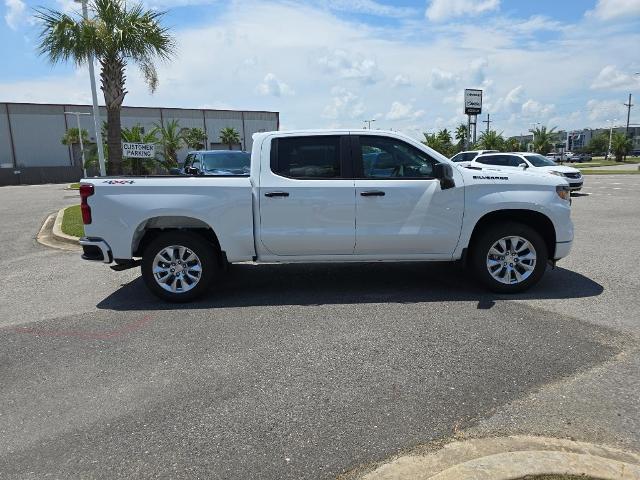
(137, 106)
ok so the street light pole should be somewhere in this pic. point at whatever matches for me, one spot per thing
(94, 98)
(77, 114)
(368, 122)
(610, 136)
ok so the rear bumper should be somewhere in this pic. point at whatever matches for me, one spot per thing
(96, 250)
(562, 249)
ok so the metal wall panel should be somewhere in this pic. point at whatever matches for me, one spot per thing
(37, 134)
(255, 122)
(6, 157)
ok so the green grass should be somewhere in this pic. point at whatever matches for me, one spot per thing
(74, 186)
(610, 172)
(72, 221)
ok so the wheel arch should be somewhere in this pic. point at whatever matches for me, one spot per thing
(152, 227)
(534, 219)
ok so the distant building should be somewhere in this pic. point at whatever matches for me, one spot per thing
(30, 135)
(577, 139)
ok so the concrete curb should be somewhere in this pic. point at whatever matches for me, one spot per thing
(57, 229)
(47, 238)
(510, 458)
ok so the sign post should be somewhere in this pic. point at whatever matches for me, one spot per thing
(138, 150)
(472, 108)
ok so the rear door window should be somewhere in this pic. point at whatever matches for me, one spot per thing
(313, 157)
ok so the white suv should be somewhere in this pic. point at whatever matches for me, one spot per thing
(525, 160)
(464, 158)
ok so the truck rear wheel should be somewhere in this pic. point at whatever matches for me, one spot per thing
(509, 258)
(179, 266)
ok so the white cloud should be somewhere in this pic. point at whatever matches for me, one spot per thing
(603, 110)
(511, 102)
(401, 81)
(439, 10)
(344, 104)
(441, 79)
(611, 78)
(610, 9)
(539, 110)
(349, 65)
(272, 86)
(370, 7)
(404, 111)
(15, 14)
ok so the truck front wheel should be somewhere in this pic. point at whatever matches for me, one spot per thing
(509, 258)
(179, 266)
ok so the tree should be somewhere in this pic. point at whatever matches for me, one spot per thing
(118, 34)
(440, 142)
(620, 145)
(71, 137)
(490, 140)
(195, 138)
(171, 138)
(598, 144)
(542, 139)
(229, 136)
(513, 145)
(461, 136)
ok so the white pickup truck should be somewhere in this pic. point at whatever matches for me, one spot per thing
(329, 196)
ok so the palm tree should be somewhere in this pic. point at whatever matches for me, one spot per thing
(118, 34)
(229, 136)
(490, 140)
(437, 142)
(171, 138)
(513, 145)
(71, 136)
(461, 134)
(542, 139)
(195, 138)
(620, 145)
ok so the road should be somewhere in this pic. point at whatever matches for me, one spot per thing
(297, 371)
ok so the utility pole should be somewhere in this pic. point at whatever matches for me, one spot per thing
(487, 121)
(610, 136)
(77, 114)
(94, 97)
(626, 132)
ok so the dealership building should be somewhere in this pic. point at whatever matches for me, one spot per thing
(31, 149)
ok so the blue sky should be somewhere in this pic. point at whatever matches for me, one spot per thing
(334, 63)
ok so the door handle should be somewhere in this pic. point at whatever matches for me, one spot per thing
(373, 193)
(276, 194)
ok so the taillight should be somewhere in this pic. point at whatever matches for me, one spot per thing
(86, 190)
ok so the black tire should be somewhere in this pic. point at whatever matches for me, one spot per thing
(205, 251)
(490, 235)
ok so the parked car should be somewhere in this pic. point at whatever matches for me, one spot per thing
(469, 155)
(533, 161)
(579, 158)
(216, 163)
(312, 197)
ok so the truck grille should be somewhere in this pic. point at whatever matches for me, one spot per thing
(572, 175)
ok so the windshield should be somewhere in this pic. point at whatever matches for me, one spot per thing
(540, 161)
(236, 163)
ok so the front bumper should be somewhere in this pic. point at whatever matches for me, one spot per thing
(96, 250)
(575, 185)
(562, 249)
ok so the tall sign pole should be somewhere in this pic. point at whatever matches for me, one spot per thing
(94, 97)
(626, 132)
(472, 108)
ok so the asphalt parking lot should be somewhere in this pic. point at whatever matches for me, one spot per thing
(293, 371)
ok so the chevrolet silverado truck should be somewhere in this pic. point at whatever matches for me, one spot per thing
(329, 196)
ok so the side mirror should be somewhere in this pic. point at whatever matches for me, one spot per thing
(444, 172)
(191, 171)
(523, 166)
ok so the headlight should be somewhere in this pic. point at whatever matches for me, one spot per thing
(553, 172)
(564, 192)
